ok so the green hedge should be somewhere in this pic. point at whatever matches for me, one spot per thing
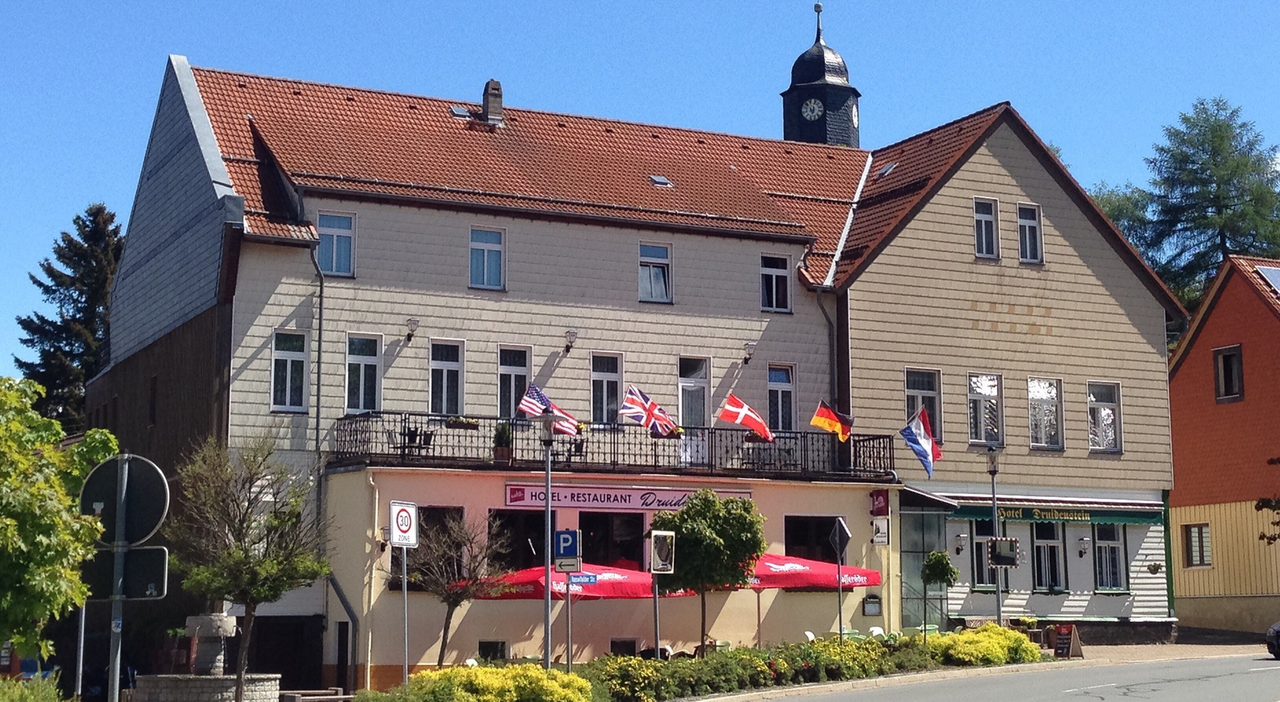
(516, 683)
(987, 645)
(34, 691)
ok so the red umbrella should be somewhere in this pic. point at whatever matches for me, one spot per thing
(610, 584)
(775, 571)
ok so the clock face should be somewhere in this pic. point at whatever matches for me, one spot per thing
(811, 109)
(855, 115)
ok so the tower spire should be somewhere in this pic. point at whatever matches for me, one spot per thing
(817, 9)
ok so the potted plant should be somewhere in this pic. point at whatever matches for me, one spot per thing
(502, 441)
(462, 423)
(937, 570)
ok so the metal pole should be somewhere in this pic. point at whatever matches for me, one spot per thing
(840, 592)
(118, 547)
(404, 591)
(568, 623)
(80, 653)
(657, 640)
(546, 552)
(995, 531)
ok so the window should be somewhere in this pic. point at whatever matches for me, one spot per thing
(363, 361)
(986, 241)
(782, 398)
(924, 387)
(1229, 374)
(655, 273)
(983, 575)
(337, 244)
(1044, 396)
(288, 372)
(1047, 537)
(513, 380)
(612, 538)
(1030, 248)
(1195, 537)
(492, 651)
(606, 379)
(1104, 416)
(986, 409)
(446, 378)
(525, 537)
(922, 532)
(622, 647)
(432, 521)
(810, 537)
(1109, 559)
(775, 293)
(486, 259)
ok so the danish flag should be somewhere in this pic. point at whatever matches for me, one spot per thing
(739, 412)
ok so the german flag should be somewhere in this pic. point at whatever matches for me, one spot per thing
(830, 420)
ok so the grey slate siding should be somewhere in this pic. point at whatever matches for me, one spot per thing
(169, 271)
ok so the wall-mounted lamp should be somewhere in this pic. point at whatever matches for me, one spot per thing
(412, 325)
(385, 534)
(570, 338)
(962, 540)
(749, 350)
(1084, 545)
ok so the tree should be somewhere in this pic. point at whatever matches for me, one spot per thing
(937, 570)
(1215, 191)
(240, 532)
(77, 283)
(717, 545)
(43, 537)
(457, 561)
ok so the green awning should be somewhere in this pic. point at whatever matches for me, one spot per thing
(1061, 514)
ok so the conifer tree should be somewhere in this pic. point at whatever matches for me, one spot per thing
(70, 345)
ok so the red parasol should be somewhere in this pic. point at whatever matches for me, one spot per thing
(775, 571)
(611, 584)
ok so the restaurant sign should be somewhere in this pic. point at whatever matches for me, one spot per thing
(1061, 514)
(608, 497)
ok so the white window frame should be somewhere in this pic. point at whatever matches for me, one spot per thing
(789, 388)
(500, 247)
(1022, 232)
(771, 278)
(999, 400)
(1118, 405)
(377, 373)
(290, 357)
(994, 219)
(1103, 550)
(1203, 556)
(1042, 552)
(915, 397)
(646, 261)
(984, 577)
(605, 379)
(445, 366)
(325, 231)
(512, 371)
(1031, 406)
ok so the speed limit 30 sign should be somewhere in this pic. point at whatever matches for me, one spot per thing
(404, 524)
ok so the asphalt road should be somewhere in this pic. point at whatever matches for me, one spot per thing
(1234, 679)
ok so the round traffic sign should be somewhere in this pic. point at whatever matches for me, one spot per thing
(404, 521)
(146, 497)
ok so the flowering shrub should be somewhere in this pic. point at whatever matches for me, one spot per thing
(986, 645)
(517, 683)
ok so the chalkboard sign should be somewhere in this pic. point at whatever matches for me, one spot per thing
(1068, 642)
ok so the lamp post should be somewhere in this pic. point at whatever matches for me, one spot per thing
(993, 468)
(548, 420)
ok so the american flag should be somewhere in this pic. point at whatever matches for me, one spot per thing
(535, 404)
(638, 407)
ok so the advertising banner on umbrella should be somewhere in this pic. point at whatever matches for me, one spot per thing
(775, 571)
(609, 584)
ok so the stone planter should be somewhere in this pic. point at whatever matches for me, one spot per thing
(205, 688)
(210, 632)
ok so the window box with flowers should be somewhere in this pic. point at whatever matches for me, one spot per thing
(462, 423)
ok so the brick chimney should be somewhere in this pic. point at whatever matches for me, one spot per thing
(491, 110)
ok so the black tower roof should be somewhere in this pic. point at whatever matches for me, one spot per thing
(820, 64)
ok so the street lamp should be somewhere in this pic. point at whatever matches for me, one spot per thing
(993, 468)
(547, 420)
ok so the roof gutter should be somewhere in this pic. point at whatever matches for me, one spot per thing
(829, 281)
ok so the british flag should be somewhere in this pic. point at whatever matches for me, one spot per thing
(535, 404)
(638, 407)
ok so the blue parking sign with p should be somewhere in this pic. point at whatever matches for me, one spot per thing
(566, 544)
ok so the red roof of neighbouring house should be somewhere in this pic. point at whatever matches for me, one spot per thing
(1246, 267)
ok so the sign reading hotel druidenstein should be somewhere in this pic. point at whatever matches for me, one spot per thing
(628, 497)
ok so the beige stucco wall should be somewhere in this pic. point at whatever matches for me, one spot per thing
(412, 262)
(733, 617)
(1082, 315)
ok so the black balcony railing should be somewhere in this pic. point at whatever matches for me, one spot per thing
(420, 439)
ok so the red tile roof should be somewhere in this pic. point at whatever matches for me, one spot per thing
(1247, 268)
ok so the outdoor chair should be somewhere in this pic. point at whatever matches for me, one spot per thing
(876, 631)
(809, 635)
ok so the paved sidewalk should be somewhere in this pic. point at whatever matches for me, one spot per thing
(1165, 652)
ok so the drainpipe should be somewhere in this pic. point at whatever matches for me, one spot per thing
(354, 642)
(315, 262)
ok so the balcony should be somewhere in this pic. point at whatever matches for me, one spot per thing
(429, 440)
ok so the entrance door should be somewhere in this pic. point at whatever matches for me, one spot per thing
(695, 393)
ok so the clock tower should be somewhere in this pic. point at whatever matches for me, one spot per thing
(820, 106)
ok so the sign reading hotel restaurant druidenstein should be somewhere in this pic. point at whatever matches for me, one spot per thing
(404, 524)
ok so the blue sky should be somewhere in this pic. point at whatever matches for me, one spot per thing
(79, 80)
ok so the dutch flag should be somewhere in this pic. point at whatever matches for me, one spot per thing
(919, 437)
